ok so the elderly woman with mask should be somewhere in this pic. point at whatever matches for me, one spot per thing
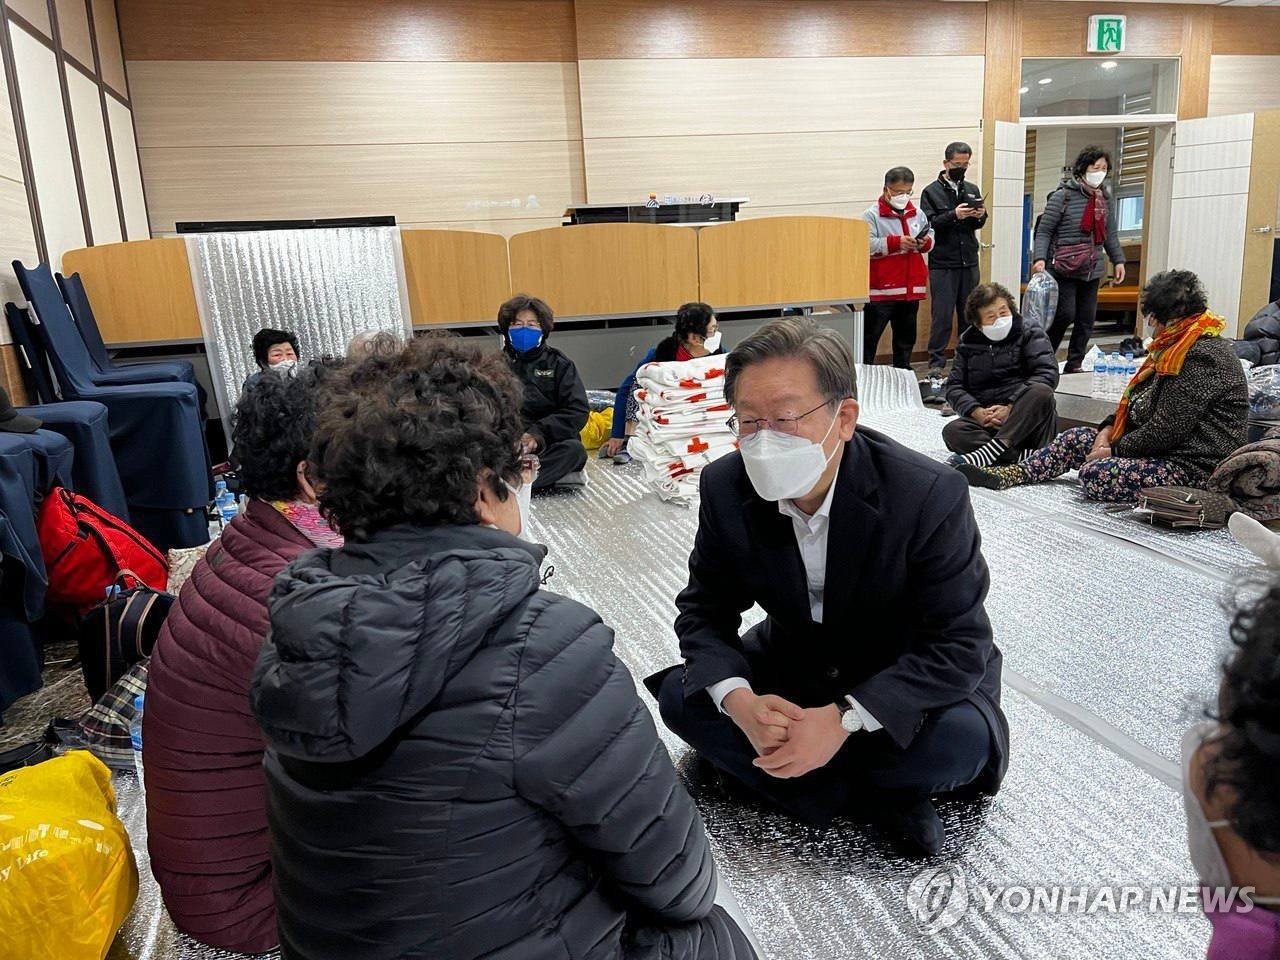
(1182, 413)
(458, 765)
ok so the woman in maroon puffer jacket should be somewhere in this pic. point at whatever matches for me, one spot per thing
(206, 797)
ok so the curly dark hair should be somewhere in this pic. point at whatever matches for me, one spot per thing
(508, 311)
(1247, 754)
(1174, 294)
(693, 318)
(983, 296)
(403, 435)
(266, 338)
(274, 422)
(1087, 158)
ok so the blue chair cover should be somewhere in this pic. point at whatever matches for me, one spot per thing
(156, 428)
(93, 472)
(35, 366)
(20, 654)
(31, 464)
(151, 371)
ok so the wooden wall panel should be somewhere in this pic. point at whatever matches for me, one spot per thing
(773, 170)
(1197, 53)
(454, 276)
(1243, 84)
(663, 29)
(417, 183)
(782, 260)
(11, 376)
(188, 103)
(140, 291)
(73, 28)
(1246, 30)
(110, 55)
(1051, 28)
(633, 98)
(607, 268)
(412, 30)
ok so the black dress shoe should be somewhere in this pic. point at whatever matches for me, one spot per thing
(918, 825)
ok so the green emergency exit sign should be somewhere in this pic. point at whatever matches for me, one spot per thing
(1106, 34)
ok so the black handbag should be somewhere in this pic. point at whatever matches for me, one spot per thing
(1185, 508)
(119, 631)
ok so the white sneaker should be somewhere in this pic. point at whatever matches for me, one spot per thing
(576, 479)
(1257, 538)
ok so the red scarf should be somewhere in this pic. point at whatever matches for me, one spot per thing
(1094, 221)
(1166, 357)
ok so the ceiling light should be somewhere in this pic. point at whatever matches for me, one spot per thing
(1045, 80)
(1023, 89)
(1108, 64)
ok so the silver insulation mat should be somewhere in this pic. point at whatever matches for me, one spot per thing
(324, 285)
(1102, 670)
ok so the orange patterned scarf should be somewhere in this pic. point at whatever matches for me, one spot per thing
(1166, 357)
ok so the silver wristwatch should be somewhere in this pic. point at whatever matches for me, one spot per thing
(850, 719)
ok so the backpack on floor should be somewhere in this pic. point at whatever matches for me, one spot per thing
(120, 632)
(85, 549)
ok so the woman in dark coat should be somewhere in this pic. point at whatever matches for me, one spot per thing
(1182, 413)
(458, 765)
(1081, 214)
(206, 797)
(1001, 384)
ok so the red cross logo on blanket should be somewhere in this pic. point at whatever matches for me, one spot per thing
(696, 445)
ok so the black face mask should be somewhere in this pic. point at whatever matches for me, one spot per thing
(956, 174)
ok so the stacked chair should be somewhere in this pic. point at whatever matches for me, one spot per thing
(155, 412)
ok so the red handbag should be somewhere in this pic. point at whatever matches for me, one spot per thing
(85, 549)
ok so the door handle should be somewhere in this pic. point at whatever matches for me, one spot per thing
(987, 246)
(1267, 229)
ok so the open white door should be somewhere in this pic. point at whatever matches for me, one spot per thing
(1209, 210)
(1005, 204)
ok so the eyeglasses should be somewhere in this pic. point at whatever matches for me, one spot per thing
(745, 428)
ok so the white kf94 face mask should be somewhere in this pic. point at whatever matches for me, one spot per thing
(712, 343)
(998, 330)
(523, 495)
(783, 466)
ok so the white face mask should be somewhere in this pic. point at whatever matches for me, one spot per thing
(900, 201)
(998, 330)
(523, 495)
(286, 368)
(1094, 178)
(783, 466)
(712, 343)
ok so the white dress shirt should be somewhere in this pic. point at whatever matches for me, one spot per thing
(811, 536)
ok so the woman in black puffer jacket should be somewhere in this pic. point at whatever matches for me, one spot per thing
(458, 765)
(1001, 384)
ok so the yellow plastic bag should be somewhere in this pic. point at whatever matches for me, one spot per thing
(596, 432)
(67, 874)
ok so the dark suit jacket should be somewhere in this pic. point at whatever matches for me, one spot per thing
(904, 628)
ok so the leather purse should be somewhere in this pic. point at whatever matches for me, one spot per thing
(1185, 508)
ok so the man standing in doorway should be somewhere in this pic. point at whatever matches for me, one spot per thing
(900, 234)
(956, 212)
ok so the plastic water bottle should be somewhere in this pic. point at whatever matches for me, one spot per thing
(1118, 381)
(135, 736)
(1100, 374)
(227, 507)
(219, 489)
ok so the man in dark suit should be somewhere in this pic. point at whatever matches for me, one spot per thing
(874, 684)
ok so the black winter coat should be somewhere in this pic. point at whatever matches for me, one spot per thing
(986, 373)
(458, 766)
(555, 401)
(955, 242)
(1059, 225)
(1263, 332)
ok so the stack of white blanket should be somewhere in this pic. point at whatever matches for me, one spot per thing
(682, 423)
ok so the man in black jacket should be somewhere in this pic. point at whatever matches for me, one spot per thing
(871, 696)
(555, 401)
(956, 213)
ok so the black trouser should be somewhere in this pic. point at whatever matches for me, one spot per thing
(949, 288)
(559, 459)
(902, 315)
(1032, 424)
(950, 751)
(1078, 305)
